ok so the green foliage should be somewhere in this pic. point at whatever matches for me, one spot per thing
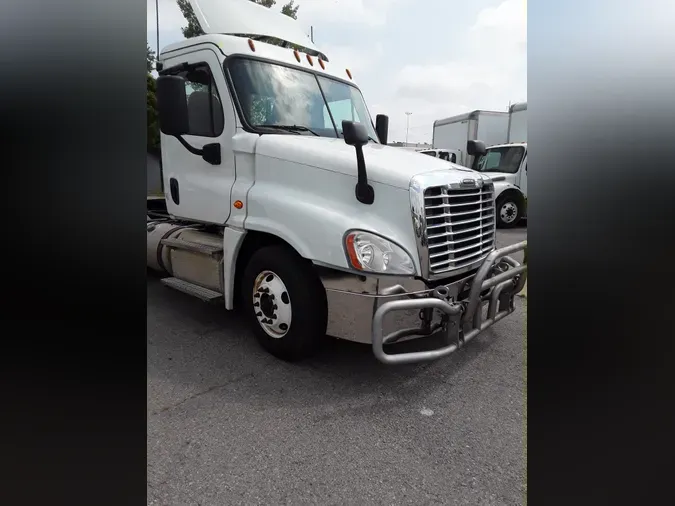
(290, 10)
(153, 117)
(150, 58)
(194, 30)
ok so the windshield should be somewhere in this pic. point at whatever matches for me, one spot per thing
(273, 96)
(506, 159)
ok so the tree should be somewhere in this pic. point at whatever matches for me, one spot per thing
(290, 10)
(150, 59)
(193, 29)
(153, 117)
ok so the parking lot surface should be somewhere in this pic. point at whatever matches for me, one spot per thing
(230, 424)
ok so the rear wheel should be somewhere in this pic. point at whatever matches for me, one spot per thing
(509, 210)
(285, 302)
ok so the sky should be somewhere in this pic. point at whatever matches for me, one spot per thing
(432, 58)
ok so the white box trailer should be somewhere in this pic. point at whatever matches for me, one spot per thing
(518, 123)
(452, 133)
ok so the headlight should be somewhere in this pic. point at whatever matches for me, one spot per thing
(371, 253)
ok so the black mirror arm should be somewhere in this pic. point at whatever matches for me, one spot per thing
(364, 192)
(191, 149)
(210, 153)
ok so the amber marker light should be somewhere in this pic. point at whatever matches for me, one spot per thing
(349, 73)
(251, 45)
(322, 64)
(351, 251)
(309, 59)
(297, 55)
(238, 204)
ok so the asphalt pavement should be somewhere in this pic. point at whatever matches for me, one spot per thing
(229, 424)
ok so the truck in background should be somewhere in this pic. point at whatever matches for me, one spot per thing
(449, 155)
(452, 134)
(517, 123)
(505, 160)
(282, 200)
(506, 165)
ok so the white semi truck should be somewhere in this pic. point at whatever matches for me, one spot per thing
(506, 164)
(505, 161)
(517, 123)
(282, 200)
(452, 134)
(449, 155)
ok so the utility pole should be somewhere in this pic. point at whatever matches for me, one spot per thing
(157, 18)
(407, 125)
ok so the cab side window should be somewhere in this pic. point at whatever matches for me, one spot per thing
(205, 110)
(342, 110)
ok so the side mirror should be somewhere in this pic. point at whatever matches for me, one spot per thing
(172, 106)
(475, 148)
(355, 134)
(382, 128)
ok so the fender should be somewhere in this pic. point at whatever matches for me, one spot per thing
(502, 186)
(233, 238)
(312, 208)
(312, 216)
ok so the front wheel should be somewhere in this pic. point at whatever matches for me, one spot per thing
(285, 302)
(509, 211)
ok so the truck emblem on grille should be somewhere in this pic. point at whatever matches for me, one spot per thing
(472, 183)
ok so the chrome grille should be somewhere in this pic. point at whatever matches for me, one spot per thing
(460, 226)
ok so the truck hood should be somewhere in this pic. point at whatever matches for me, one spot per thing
(385, 164)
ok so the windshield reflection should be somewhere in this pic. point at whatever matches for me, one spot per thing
(505, 159)
(280, 99)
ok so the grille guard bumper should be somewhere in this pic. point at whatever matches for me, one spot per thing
(497, 282)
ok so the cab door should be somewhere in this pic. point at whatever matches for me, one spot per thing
(522, 174)
(194, 188)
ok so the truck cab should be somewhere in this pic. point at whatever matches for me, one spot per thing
(506, 165)
(283, 200)
(449, 155)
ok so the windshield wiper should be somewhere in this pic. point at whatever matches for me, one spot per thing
(290, 128)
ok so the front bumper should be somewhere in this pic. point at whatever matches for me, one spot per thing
(455, 310)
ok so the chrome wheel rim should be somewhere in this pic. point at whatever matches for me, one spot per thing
(272, 304)
(508, 212)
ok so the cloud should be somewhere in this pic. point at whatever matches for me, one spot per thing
(170, 17)
(405, 61)
(490, 73)
(368, 12)
(358, 62)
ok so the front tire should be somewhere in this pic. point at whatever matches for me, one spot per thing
(285, 303)
(509, 210)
